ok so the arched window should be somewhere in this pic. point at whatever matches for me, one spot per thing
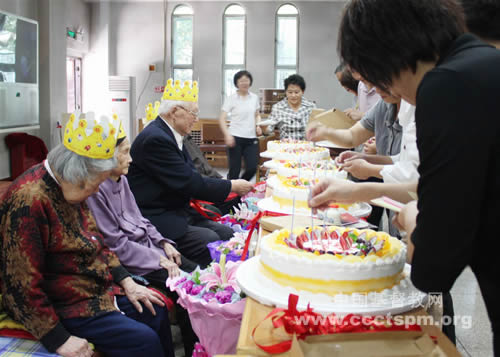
(233, 46)
(182, 43)
(287, 43)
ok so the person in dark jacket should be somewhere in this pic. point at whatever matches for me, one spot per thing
(164, 180)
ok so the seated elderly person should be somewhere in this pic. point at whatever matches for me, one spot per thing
(291, 115)
(164, 180)
(140, 247)
(57, 275)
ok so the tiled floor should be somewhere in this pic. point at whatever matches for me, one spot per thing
(474, 337)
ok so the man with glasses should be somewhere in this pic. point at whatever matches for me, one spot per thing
(163, 178)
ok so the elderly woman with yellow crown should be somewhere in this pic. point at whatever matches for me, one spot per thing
(58, 278)
(163, 178)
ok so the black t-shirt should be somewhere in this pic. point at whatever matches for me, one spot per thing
(458, 137)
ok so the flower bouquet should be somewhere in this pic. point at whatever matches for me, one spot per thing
(214, 302)
(233, 248)
(239, 226)
(241, 220)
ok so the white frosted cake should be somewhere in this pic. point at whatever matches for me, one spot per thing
(310, 170)
(333, 260)
(277, 145)
(302, 154)
(285, 189)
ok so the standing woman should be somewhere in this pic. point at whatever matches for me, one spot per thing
(241, 137)
(291, 115)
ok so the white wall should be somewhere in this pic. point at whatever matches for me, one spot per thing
(96, 62)
(78, 15)
(136, 40)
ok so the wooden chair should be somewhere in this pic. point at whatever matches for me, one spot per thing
(212, 144)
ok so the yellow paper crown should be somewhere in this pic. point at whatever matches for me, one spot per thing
(117, 123)
(92, 138)
(188, 93)
(152, 112)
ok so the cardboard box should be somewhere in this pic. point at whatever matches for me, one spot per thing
(387, 344)
(333, 118)
(374, 344)
(315, 112)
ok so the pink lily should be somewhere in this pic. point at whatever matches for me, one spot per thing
(222, 276)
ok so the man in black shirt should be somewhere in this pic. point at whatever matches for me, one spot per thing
(454, 80)
(483, 19)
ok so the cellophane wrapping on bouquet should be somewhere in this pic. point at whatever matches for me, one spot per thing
(214, 302)
(233, 248)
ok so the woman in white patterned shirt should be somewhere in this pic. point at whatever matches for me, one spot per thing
(291, 115)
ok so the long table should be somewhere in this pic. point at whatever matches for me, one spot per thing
(256, 312)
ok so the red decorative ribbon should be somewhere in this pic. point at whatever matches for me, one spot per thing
(309, 323)
(253, 224)
(196, 204)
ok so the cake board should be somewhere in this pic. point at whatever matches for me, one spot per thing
(267, 204)
(401, 298)
(271, 164)
(268, 154)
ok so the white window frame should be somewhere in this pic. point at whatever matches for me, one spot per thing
(225, 66)
(276, 66)
(175, 66)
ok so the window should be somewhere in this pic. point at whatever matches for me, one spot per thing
(233, 46)
(287, 40)
(182, 43)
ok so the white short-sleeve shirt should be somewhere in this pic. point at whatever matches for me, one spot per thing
(241, 110)
(407, 161)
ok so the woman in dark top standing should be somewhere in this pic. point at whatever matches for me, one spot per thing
(453, 78)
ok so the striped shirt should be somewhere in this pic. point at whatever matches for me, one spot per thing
(290, 123)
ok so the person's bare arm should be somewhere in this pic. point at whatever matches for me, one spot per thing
(346, 137)
(343, 191)
(228, 138)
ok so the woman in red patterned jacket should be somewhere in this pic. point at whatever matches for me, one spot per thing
(58, 278)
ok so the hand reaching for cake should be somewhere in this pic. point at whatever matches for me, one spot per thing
(317, 132)
(348, 155)
(361, 169)
(331, 191)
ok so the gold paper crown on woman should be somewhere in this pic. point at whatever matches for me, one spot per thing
(188, 93)
(152, 112)
(89, 137)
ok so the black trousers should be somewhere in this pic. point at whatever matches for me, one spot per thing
(249, 150)
(130, 335)
(201, 231)
(448, 310)
(157, 280)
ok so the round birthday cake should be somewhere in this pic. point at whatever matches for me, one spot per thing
(302, 154)
(285, 189)
(276, 145)
(333, 260)
(310, 170)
